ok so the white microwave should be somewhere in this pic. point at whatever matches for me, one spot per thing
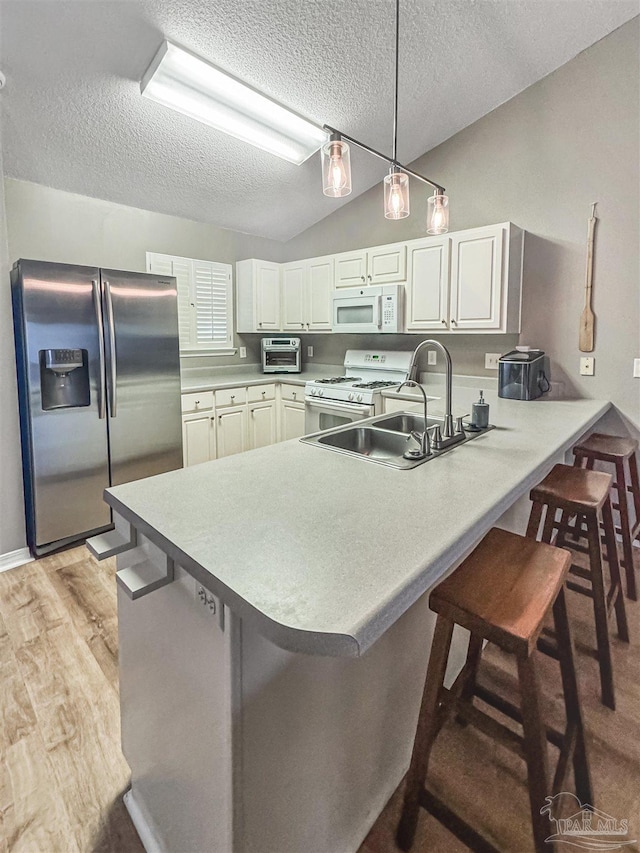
(369, 309)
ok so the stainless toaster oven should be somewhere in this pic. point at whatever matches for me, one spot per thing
(281, 355)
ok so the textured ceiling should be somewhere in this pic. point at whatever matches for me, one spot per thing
(73, 117)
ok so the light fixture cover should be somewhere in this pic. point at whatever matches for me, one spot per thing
(396, 194)
(182, 81)
(336, 168)
(438, 215)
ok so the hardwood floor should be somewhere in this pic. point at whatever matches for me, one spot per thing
(62, 773)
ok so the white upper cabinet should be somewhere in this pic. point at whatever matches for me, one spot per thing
(428, 284)
(378, 265)
(319, 287)
(258, 292)
(486, 276)
(294, 313)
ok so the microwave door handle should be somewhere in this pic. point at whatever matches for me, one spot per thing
(97, 304)
(378, 311)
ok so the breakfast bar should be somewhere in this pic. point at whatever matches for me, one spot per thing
(275, 629)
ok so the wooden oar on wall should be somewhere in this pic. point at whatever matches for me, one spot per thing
(587, 319)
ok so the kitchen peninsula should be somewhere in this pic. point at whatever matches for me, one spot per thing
(273, 657)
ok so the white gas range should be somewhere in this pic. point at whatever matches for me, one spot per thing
(339, 400)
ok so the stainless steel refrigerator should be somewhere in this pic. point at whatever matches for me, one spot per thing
(99, 391)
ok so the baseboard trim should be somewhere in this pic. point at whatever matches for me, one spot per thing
(13, 559)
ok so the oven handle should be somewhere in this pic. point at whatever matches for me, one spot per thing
(364, 409)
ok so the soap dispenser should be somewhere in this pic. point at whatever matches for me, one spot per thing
(480, 413)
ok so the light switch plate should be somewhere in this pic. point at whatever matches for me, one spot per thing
(243, 352)
(309, 352)
(432, 357)
(491, 360)
(636, 368)
(587, 365)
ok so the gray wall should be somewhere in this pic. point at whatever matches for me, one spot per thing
(539, 161)
(11, 500)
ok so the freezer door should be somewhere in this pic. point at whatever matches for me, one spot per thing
(143, 374)
(64, 440)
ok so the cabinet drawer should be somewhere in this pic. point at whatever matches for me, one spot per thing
(258, 393)
(197, 402)
(231, 397)
(294, 393)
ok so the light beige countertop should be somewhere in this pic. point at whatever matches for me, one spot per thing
(232, 377)
(323, 552)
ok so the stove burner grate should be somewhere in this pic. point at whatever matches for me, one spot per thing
(336, 380)
(379, 383)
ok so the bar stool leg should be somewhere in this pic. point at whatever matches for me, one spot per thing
(625, 526)
(614, 568)
(600, 613)
(573, 710)
(426, 732)
(535, 749)
(635, 486)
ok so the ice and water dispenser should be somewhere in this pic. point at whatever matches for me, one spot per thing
(64, 378)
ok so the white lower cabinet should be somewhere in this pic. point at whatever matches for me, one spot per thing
(291, 420)
(198, 439)
(262, 424)
(231, 430)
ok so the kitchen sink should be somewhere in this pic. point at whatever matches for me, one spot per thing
(366, 441)
(384, 439)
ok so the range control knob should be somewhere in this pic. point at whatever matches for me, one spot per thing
(320, 392)
(313, 392)
(351, 396)
(359, 398)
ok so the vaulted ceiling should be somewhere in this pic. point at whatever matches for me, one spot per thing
(73, 117)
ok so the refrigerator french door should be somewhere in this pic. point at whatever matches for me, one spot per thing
(98, 366)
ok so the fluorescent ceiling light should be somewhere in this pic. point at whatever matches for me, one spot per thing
(184, 82)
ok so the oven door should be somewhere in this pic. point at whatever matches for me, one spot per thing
(327, 414)
(356, 313)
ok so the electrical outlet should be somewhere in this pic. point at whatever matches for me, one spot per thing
(432, 357)
(309, 352)
(491, 360)
(243, 352)
(636, 368)
(587, 365)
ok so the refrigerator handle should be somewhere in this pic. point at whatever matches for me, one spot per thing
(97, 302)
(112, 350)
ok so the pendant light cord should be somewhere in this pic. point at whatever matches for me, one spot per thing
(395, 99)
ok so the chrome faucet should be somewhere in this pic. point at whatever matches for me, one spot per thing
(447, 431)
(421, 437)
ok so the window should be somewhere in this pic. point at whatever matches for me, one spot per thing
(205, 302)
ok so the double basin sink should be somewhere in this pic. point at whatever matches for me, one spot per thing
(385, 439)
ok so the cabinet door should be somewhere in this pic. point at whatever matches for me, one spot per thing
(232, 431)
(198, 440)
(351, 269)
(267, 296)
(320, 273)
(387, 264)
(293, 296)
(291, 420)
(428, 284)
(262, 425)
(476, 279)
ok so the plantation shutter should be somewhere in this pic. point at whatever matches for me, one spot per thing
(213, 314)
(205, 315)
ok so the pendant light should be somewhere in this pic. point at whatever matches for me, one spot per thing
(336, 168)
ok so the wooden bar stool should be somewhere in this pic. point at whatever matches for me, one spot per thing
(582, 493)
(500, 593)
(616, 450)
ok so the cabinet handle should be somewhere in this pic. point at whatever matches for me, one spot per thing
(453, 322)
(263, 393)
(363, 279)
(444, 322)
(302, 325)
(369, 277)
(197, 402)
(294, 395)
(260, 324)
(233, 396)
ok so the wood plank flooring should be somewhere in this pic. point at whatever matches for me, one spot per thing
(62, 773)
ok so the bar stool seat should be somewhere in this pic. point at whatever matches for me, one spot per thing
(617, 451)
(584, 494)
(501, 593)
